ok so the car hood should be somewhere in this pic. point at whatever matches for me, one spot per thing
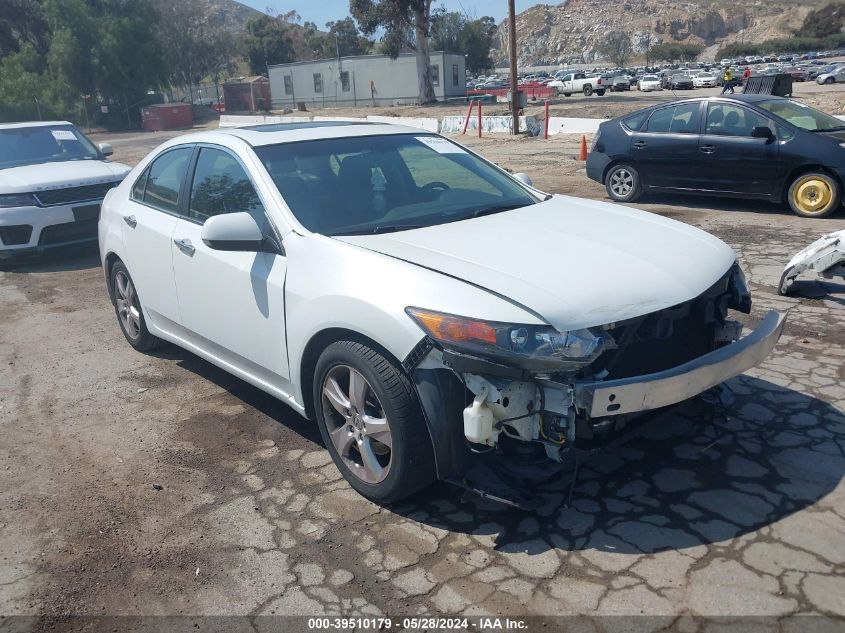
(57, 175)
(575, 263)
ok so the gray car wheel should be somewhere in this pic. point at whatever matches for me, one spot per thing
(371, 422)
(623, 183)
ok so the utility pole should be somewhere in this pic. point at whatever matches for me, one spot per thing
(514, 81)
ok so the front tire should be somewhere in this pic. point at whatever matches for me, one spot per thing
(814, 195)
(829, 80)
(623, 183)
(129, 311)
(372, 423)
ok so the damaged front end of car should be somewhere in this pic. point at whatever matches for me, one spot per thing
(506, 404)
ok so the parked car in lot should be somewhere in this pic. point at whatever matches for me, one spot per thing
(571, 83)
(835, 75)
(680, 81)
(745, 146)
(620, 84)
(650, 83)
(422, 305)
(797, 73)
(705, 80)
(52, 181)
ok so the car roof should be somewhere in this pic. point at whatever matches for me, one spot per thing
(12, 126)
(277, 133)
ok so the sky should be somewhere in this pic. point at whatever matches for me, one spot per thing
(322, 11)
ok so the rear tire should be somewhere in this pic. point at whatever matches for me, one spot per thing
(814, 195)
(623, 183)
(588, 90)
(567, 94)
(375, 431)
(129, 310)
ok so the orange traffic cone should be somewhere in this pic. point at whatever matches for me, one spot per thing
(583, 154)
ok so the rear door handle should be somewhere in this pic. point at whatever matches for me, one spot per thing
(639, 144)
(130, 220)
(707, 149)
(185, 246)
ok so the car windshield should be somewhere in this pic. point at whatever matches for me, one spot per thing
(802, 116)
(379, 184)
(649, 78)
(43, 144)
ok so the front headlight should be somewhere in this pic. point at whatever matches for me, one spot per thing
(532, 347)
(17, 200)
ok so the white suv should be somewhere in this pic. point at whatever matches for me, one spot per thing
(52, 181)
(437, 317)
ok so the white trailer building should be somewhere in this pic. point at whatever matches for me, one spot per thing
(363, 80)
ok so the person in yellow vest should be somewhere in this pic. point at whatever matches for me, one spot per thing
(728, 80)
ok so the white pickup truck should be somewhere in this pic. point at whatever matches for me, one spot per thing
(578, 82)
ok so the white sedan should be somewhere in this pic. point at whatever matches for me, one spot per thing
(52, 181)
(427, 309)
(705, 80)
(649, 83)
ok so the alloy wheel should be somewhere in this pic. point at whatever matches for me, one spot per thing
(128, 307)
(622, 182)
(357, 424)
(813, 195)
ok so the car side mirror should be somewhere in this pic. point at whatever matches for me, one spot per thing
(237, 232)
(762, 132)
(524, 179)
(105, 149)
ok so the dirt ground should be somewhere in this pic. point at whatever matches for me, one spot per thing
(159, 486)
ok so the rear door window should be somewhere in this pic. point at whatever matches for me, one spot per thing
(685, 118)
(660, 120)
(724, 119)
(165, 178)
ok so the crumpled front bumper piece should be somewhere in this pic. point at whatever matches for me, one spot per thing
(643, 393)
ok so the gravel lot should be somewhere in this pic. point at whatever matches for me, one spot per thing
(158, 485)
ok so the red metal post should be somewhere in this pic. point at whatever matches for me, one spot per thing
(479, 118)
(469, 112)
(546, 125)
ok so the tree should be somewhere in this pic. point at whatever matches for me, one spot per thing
(23, 22)
(344, 39)
(671, 52)
(269, 41)
(405, 23)
(829, 20)
(617, 47)
(453, 32)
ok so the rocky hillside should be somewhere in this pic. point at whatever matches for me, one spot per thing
(233, 13)
(557, 34)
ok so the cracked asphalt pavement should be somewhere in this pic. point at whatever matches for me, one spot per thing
(157, 484)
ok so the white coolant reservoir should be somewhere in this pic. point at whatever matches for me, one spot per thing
(479, 421)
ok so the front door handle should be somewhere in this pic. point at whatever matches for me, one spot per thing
(130, 220)
(185, 246)
(707, 149)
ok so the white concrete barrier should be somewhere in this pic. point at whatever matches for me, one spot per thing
(490, 124)
(237, 120)
(428, 124)
(286, 119)
(350, 119)
(566, 125)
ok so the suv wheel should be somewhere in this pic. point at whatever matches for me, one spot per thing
(623, 183)
(814, 195)
(130, 315)
(371, 422)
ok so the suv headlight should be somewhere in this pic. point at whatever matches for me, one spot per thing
(532, 347)
(17, 200)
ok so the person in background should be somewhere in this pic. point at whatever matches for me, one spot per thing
(728, 80)
(746, 74)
